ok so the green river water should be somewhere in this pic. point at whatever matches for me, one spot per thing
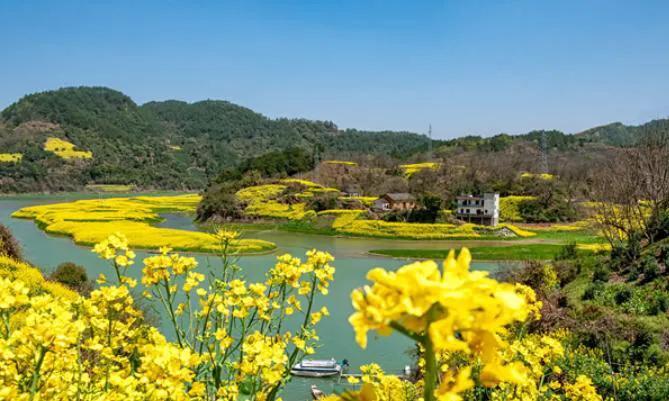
(351, 261)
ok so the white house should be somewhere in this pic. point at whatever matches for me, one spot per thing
(479, 209)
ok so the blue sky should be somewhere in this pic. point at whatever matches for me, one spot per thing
(467, 67)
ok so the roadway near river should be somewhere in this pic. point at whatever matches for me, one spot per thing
(352, 261)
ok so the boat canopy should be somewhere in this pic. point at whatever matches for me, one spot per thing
(327, 363)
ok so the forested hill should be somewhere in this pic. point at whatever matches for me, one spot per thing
(615, 134)
(162, 145)
(96, 135)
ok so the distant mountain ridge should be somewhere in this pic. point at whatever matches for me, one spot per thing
(178, 145)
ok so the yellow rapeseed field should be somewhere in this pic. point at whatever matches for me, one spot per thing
(65, 149)
(90, 221)
(341, 162)
(380, 228)
(411, 169)
(342, 218)
(110, 187)
(541, 176)
(261, 199)
(10, 157)
(350, 222)
(12, 269)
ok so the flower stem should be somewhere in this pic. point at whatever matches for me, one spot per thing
(430, 369)
(34, 383)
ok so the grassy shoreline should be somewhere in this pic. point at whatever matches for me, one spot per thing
(83, 192)
(488, 253)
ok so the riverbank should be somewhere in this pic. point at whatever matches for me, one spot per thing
(141, 218)
(487, 253)
(85, 193)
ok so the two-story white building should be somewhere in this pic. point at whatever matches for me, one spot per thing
(479, 209)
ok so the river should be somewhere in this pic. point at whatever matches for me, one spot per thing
(351, 261)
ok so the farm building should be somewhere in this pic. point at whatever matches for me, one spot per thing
(395, 201)
(479, 209)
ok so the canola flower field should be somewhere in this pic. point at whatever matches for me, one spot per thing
(540, 176)
(110, 187)
(10, 157)
(341, 162)
(90, 221)
(65, 149)
(411, 169)
(385, 229)
(470, 328)
(264, 201)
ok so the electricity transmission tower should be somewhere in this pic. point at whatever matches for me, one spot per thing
(429, 143)
(543, 145)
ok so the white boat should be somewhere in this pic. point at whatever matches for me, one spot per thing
(316, 368)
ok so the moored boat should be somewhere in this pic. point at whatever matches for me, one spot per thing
(317, 368)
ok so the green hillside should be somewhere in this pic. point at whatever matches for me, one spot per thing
(160, 145)
(179, 145)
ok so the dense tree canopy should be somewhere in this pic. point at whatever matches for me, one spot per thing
(179, 145)
(167, 145)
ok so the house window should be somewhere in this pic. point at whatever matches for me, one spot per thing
(467, 211)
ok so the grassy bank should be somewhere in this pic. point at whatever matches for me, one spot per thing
(512, 252)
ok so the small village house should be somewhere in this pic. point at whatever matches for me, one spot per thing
(482, 210)
(395, 201)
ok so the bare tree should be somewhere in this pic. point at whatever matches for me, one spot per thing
(632, 189)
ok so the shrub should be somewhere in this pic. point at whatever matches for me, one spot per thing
(663, 254)
(623, 295)
(72, 275)
(396, 216)
(547, 208)
(323, 201)
(429, 206)
(654, 355)
(624, 256)
(220, 201)
(659, 303)
(567, 252)
(592, 290)
(567, 271)
(601, 274)
(649, 268)
(537, 275)
(8, 244)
